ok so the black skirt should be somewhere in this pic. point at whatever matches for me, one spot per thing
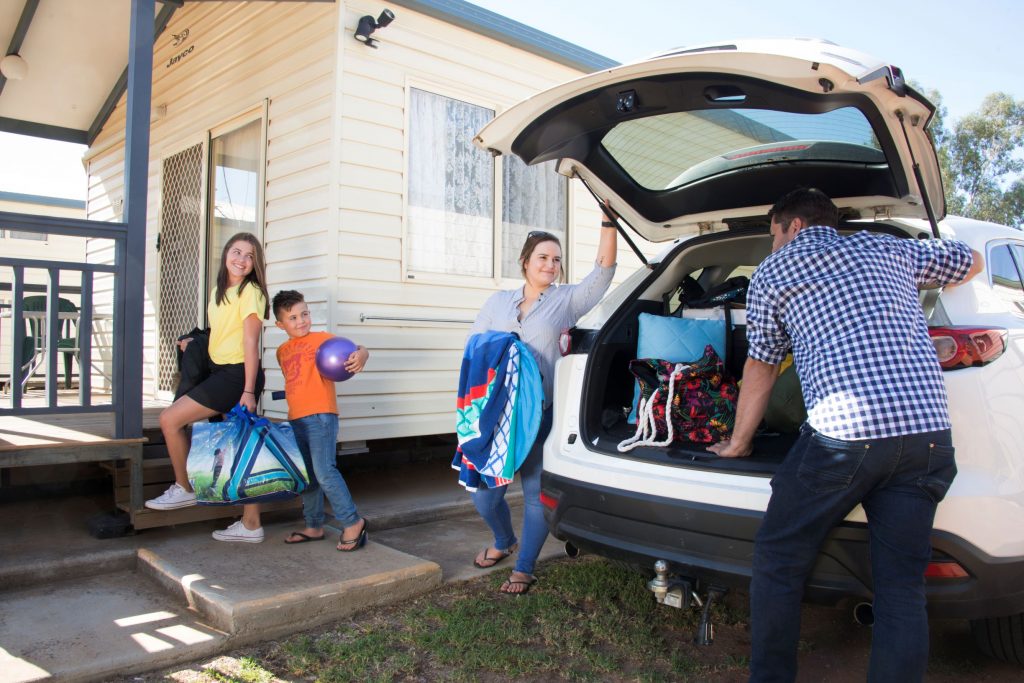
(222, 390)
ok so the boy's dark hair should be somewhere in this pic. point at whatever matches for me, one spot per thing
(285, 299)
(808, 203)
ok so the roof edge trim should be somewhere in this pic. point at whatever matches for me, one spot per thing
(42, 130)
(487, 23)
(42, 200)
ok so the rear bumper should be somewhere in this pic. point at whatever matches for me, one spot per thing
(715, 544)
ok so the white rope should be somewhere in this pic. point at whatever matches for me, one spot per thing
(646, 430)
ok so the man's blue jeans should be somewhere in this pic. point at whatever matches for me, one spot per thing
(491, 505)
(899, 481)
(317, 437)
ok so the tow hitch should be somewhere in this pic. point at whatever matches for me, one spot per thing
(681, 593)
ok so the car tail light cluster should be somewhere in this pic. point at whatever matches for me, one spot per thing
(945, 570)
(565, 342)
(548, 500)
(964, 347)
(942, 566)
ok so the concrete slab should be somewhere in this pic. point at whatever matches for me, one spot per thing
(46, 539)
(454, 542)
(413, 494)
(77, 608)
(265, 589)
(96, 627)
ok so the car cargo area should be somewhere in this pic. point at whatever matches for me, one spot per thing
(692, 268)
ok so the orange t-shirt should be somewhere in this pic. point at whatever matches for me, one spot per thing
(305, 390)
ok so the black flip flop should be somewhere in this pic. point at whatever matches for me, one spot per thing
(502, 554)
(304, 538)
(356, 543)
(527, 585)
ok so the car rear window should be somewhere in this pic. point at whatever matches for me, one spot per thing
(672, 150)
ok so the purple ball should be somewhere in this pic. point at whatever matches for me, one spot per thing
(331, 357)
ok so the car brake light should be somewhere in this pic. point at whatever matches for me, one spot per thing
(767, 150)
(548, 501)
(565, 342)
(964, 347)
(945, 570)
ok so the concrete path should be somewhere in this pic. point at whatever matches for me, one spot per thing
(74, 608)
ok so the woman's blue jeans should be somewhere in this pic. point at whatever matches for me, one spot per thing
(899, 481)
(491, 505)
(317, 437)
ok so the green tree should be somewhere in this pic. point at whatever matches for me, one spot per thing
(982, 159)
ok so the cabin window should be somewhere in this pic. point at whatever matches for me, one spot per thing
(235, 173)
(451, 188)
(23, 235)
(535, 198)
(452, 210)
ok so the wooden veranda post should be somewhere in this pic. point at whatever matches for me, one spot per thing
(131, 253)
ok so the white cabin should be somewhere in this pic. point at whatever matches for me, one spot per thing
(354, 165)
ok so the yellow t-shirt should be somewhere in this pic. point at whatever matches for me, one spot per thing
(226, 322)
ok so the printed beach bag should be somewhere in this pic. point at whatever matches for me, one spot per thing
(682, 402)
(245, 459)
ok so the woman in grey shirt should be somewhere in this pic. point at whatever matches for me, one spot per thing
(537, 312)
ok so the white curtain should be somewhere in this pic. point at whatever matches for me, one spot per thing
(451, 188)
(535, 198)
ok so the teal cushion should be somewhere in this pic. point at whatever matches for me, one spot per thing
(677, 340)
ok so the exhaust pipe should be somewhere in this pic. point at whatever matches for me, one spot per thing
(571, 550)
(864, 614)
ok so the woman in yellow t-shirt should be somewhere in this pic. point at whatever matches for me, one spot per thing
(236, 312)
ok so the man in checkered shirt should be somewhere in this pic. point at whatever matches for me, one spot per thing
(877, 430)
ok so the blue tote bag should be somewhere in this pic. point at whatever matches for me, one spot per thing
(245, 459)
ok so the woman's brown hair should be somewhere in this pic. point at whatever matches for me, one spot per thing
(257, 277)
(532, 240)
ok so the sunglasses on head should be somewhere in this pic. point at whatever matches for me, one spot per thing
(540, 233)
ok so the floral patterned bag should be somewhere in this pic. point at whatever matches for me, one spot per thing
(699, 399)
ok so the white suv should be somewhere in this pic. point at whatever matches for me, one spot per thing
(693, 147)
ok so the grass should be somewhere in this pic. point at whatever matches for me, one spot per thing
(586, 620)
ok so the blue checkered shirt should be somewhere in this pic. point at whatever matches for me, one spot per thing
(848, 308)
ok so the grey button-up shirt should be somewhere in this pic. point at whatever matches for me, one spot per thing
(558, 308)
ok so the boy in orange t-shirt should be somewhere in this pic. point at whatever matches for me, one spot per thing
(313, 415)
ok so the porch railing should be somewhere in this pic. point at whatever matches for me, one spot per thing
(129, 236)
(79, 278)
(45, 330)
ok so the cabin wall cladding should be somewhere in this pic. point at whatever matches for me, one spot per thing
(245, 58)
(336, 181)
(400, 314)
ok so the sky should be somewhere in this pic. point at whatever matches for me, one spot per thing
(963, 50)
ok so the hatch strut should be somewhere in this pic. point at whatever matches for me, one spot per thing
(614, 219)
(929, 297)
(917, 176)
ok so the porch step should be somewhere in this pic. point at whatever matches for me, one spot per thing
(157, 475)
(260, 591)
(190, 597)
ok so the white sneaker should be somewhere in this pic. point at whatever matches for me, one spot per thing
(238, 533)
(173, 498)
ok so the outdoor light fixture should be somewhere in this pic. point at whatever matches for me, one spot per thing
(14, 67)
(368, 25)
